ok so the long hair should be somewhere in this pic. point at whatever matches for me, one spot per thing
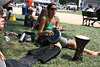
(43, 12)
(49, 5)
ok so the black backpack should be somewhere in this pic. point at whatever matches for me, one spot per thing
(28, 37)
(44, 54)
(14, 63)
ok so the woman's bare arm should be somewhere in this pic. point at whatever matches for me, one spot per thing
(41, 27)
(1, 56)
(35, 23)
(57, 24)
(32, 17)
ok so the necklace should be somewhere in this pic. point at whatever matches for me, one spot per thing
(50, 18)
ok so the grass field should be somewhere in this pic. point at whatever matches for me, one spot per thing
(70, 12)
(14, 49)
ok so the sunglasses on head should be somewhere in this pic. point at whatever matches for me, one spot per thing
(53, 8)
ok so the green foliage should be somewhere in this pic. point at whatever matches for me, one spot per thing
(63, 1)
(67, 1)
(14, 49)
(18, 1)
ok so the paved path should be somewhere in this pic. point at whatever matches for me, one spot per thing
(70, 18)
(64, 17)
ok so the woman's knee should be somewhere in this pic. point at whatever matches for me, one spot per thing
(59, 45)
(71, 43)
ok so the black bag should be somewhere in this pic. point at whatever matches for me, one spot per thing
(39, 51)
(46, 53)
(28, 37)
(14, 63)
(20, 19)
(27, 60)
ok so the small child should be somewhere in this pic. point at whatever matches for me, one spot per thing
(9, 12)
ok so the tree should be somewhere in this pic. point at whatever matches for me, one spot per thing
(18, 0)
(63, 1)
(67, 1)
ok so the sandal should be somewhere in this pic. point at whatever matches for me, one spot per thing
(11, 33)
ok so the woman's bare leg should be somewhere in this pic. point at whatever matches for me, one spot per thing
(57, 44)
(72, 43)
(91, 52)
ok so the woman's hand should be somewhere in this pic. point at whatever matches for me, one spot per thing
(33, 27)
(1, 56)
(50, 32)
(30, 16)
(56, 28)
(59, 28)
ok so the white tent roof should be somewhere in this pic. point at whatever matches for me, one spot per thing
(42, 1)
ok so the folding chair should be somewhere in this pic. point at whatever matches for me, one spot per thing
(98, 16)
(84, 14)
(91, 16)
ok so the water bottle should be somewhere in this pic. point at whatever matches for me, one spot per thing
(6, 38)
(22, 37)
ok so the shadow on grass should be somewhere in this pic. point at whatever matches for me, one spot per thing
(91, 26)
(65, 35)
(66, 56)
(16, 26)
(15, 23)
(96, 27)
(36, 43)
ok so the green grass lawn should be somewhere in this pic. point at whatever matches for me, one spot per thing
(14, 49)
(70, 12)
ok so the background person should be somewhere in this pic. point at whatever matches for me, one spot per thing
(36, 4)
(29, 19)
(43, 6)
(50, 22)
(38, 10)
(98, 15)
(90, 8)
(9, 12)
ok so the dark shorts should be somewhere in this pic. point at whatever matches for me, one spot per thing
(43, 40)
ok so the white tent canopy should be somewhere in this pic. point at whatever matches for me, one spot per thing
(42, 1)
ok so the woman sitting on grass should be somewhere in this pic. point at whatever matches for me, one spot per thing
(29, 19)
(43, 12)
(50, 22)
(39, 19)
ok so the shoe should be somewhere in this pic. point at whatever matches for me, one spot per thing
(88, 25)
(92, 24)
(11, 33)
